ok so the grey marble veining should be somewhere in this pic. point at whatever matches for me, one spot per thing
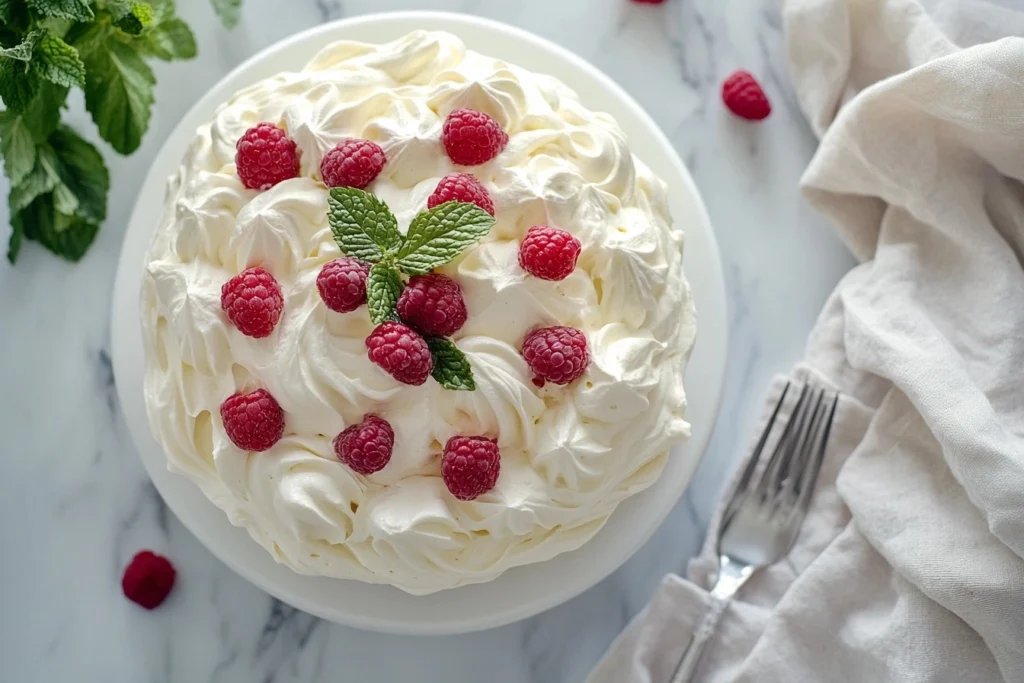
(75, 503)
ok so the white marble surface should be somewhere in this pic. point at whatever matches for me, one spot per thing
(75, 503)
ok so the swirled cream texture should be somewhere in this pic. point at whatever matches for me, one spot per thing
(570, 454)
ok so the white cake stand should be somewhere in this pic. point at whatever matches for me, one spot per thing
(520, 592)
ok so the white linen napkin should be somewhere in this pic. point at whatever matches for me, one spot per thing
(909, 567)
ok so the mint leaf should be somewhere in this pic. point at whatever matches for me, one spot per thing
(229, 11)
(43, 112)
(78, 10)
(17, 146)
(14, 244)
(83, 175)
(58, 62)
(383, 287)
(437, 236)
(22, 52)
(130, 17)
(42, 179)
(66, 236)
(18, 85)
(363, 226)
(163, 10)
(451, 367)
(169, 40)
(118, 90)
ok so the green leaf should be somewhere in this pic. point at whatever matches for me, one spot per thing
(437, 236)
(58, 62)
(118, 91)
(42, 179)
(43, 112)
(130, 17)
(451, 367)
(163, 10)
(22, 52)
(229, 11)
(66, 236)
(82, 174)
(363, 226)
(18, 148)
(169, 40)
(383, 287)
(78, 10)
(18, 85)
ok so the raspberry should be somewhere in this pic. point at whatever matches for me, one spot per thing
(342, 284)
(461, 187)
(148, 579)
(744, 97)
(254, 421)
(556, 354)
(472, 137)
(432, 304)
(352, 163)
(253, 302)
(265, 156)
(366, 447)
(549, 253)
(470, 466)
(401, 352)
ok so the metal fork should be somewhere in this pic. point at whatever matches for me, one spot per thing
(767, 507)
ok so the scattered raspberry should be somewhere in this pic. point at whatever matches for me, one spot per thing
(254, 421)
(744, 97)
(432, 304)
(461, 187)
(549, 253)
(470, 466)
(253, 302)
(401, 352)
(556, 354)
(265, 156)
(148, 579)
(366, 447)
(352, 163)
(342, 284)
(472, 137)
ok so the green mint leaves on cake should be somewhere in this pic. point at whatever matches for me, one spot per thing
(365, 229)
(59, 181)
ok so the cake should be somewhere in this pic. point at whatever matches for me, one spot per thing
(415, 316)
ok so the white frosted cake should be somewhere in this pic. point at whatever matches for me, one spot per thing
(393, 367)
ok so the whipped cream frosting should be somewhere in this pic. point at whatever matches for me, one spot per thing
(569, 455)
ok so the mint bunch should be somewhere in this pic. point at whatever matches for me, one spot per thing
(59, 182)
(365, 228)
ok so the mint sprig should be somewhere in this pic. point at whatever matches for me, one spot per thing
(59, 182)
(365, 228)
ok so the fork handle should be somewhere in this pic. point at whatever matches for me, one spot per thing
(701, 637)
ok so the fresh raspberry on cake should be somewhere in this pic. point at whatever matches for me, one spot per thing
(148, 579)
(461, 187)
(472, 137)
(549, 253)
(556, 354)
(744, 96)
(352, 163)
(432, 304)
(366, 447)
(342, 284)
(470, 466)
(253, 302)
(401, 352)
(265, 156)
(253, 421)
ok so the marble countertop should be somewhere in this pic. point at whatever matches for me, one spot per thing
(75, 503)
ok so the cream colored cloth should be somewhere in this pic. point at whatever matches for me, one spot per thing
(909, 568)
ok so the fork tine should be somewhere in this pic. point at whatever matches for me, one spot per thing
(802, 446)
(810, 474)
(770, 482)
(743, 485)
